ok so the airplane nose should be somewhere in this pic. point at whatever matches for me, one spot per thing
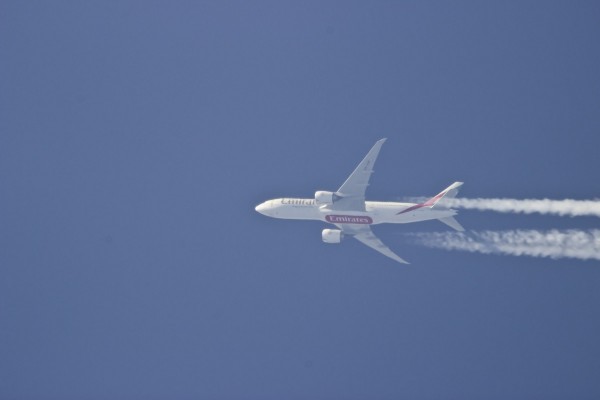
(261, 208)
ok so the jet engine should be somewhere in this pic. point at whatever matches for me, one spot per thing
(332, 235)
(323, 197)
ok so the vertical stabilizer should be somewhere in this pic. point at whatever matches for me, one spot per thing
(449, 193)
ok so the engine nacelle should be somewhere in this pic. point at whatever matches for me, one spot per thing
(322, 197)
(332, 235)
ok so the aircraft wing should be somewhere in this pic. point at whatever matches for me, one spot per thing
(352, 191)
(365, 235)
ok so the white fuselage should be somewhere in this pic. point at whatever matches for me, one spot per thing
(377, 212)
(347, 209)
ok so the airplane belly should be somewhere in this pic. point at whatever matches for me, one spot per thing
(382, 217)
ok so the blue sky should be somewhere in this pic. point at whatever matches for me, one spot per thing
(137, 137)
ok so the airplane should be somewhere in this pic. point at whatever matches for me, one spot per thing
(348, 210)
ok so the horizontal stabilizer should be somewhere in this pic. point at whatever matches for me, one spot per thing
(452, 223)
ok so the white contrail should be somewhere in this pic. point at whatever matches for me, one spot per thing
(567, 207)
(583, 245)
